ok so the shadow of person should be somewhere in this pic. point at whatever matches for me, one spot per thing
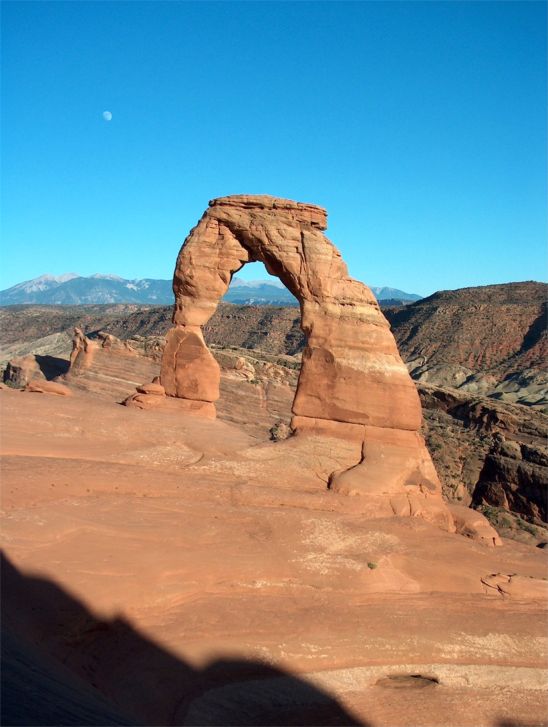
(62, 665)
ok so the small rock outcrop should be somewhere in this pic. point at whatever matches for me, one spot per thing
(21, 371)
(473, 524)
(81, 355)
(106, 365)
(25, 373)
(512, 585)
(245, 368)
(48, 387)
(352, 378)
(154, 388)
(79, 342)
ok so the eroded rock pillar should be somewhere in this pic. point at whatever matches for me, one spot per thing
(203, 272)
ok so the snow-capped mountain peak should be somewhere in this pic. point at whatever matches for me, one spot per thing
(73, 289)
(56, 278)
(43, 282)
(107, 276)
(239, 283)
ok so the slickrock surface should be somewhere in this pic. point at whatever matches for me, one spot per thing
(155, 579)
(352, 378)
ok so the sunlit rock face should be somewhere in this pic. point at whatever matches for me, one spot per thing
(351, 360)
(353, 381)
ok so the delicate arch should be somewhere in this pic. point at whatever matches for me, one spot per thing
(351, 370)
(352, 383)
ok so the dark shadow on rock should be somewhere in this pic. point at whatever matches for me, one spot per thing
(51, 366)
(61, 665)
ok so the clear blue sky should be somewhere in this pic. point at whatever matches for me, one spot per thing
(420, 126)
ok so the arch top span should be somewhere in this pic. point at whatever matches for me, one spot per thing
(286, 236)
(304, 212)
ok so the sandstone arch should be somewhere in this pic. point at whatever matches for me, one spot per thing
(352, 383)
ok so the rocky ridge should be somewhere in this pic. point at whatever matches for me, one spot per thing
(491, 341)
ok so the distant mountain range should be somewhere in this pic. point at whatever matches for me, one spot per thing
(73, 289)
(393, 294)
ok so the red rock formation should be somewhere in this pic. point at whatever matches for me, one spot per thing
(511, 585)
(352, 375)
(21, 371)
(473, 525)
(48, 387)
(189, 370)
(83, 349)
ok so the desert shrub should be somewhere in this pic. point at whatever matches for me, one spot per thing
(527, 527)
(499, 517)
(491, 513)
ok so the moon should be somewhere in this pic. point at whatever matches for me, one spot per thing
(107, 115)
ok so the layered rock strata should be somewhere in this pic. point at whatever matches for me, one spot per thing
(352, 380)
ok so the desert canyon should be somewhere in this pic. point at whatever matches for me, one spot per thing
(244, 517)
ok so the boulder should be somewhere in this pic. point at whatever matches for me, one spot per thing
(245, 368)
(152, 388)
(143, 401)
(473, 524)
(21, 371)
